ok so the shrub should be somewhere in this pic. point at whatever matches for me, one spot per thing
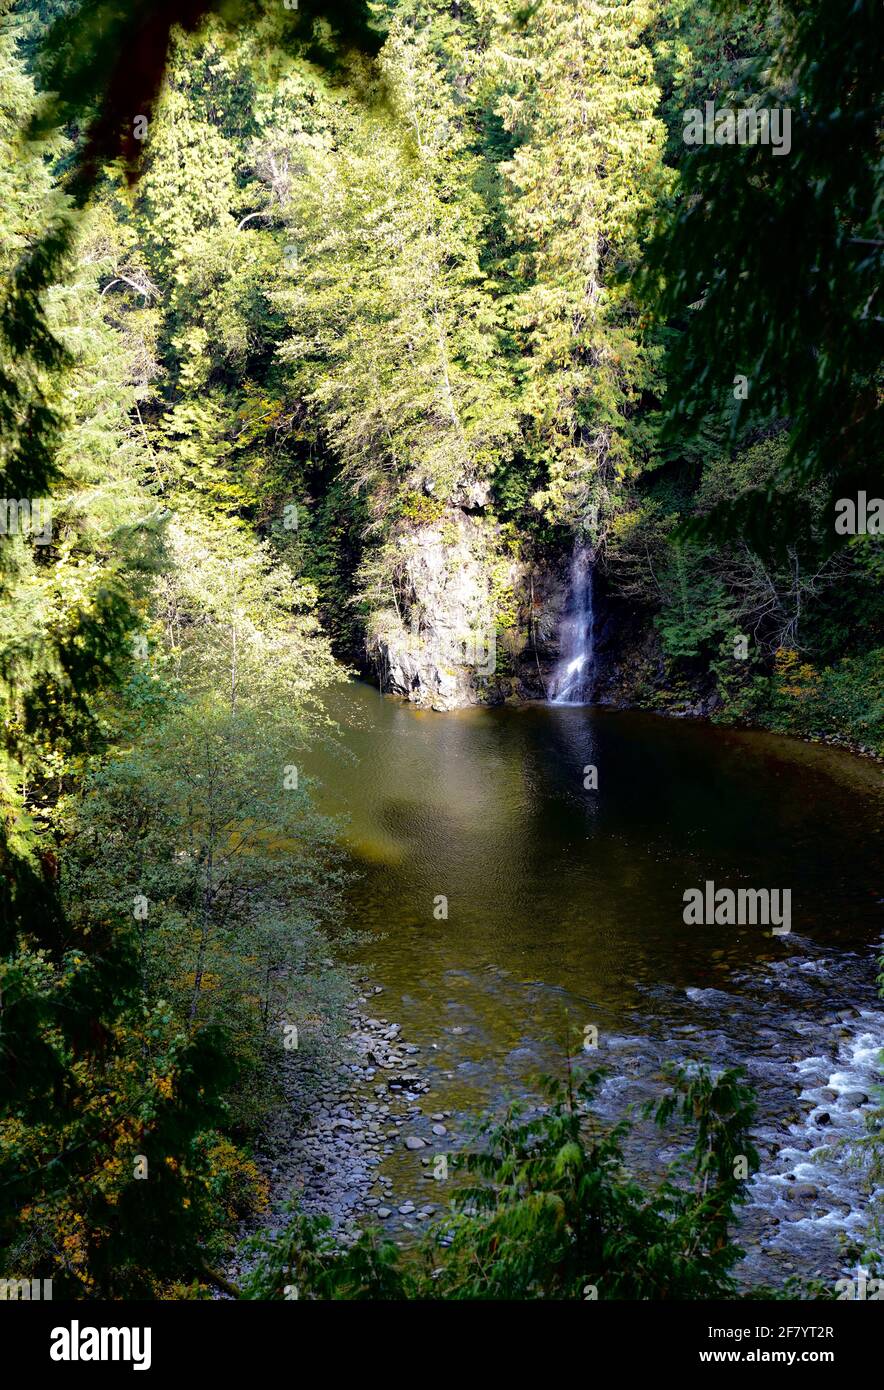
(548, 1211)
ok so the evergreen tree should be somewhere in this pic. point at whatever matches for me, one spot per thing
(579, 98)
(770, 266)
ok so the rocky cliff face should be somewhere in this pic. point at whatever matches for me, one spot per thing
(474, 625)
(437, 646)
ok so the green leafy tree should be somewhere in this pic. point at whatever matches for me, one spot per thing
(206, 835)
(549, 1212)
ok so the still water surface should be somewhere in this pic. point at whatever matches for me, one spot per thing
(565, 909)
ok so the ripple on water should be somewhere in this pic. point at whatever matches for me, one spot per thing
(564, 909)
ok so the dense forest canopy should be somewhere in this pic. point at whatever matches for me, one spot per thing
(305, 306)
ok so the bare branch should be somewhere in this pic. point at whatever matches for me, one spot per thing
(251, 215)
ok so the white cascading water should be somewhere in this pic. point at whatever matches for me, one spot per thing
(571, 681)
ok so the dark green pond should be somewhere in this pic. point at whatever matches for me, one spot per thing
(565, 909)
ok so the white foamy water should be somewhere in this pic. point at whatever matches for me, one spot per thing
(810, 1197)
(571, 681)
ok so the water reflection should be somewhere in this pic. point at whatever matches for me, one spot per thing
(565, 907)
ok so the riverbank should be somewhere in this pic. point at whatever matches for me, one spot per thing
(326, 1151)
(502, 906)
(815, 1072)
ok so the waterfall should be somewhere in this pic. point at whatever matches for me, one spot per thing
(571, 681)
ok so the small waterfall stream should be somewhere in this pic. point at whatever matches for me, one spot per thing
(571, 681)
